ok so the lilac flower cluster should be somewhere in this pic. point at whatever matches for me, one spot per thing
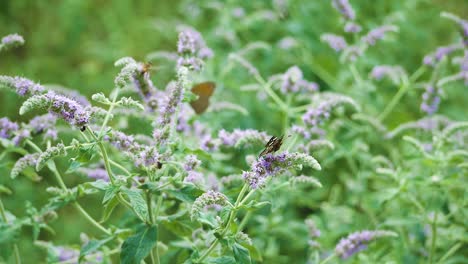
(378, 33)
(441, 52)
(59, 105)
(314, 233)
(358, 241)
(10, 41)
(148, 158)
(122, 141)
(67, 254)
(344, 8)
(21, 164)
(22, 86)
(430, 99)
(7, 128)
(292, 81)
(191, 162)
(394, 73)
(240, 137)
(317, 115)
(96, 173)
(338, 43)
(208, 143)
(273, 164)
(209, 198)
(192, 49)
(44, 124)
(352, 27)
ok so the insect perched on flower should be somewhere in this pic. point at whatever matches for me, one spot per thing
(204, 91)
(146, 67)
(273, 145)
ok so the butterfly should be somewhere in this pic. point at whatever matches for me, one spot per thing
(204, 91)
(273, 145)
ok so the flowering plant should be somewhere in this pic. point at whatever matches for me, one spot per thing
(291, 166)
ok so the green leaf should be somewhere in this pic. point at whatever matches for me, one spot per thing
(92, 246)
(179, 228)
(111, 192)
(186, 194)
(137, 247)
(241, 254)
(254, 252)
(4, 189)
(74, 165)
(222, 260)
(108, 209)
(138, 203)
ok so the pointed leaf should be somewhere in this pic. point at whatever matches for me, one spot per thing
(137, 247)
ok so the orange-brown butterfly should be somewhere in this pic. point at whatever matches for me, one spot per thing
(273, 145)
(204, 91)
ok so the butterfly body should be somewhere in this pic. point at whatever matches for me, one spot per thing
(273, 145)
(204, 91)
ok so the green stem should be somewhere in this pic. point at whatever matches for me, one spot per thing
(15, 246)
(108, 114)
(434, 237)
(158, 207)
(450, 252)
(228, 223)
(245, 220)
(51, 165)
(395, 100)
(328, 258)
(104, 156)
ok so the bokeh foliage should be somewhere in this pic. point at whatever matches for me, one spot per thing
(75, 43)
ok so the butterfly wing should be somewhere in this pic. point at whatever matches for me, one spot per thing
(204, 91)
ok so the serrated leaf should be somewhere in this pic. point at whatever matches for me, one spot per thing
(137, 247)
(92, 246)
(138, 203)
(241, 254)
(74, 165)
(186, 194)
(111, 192)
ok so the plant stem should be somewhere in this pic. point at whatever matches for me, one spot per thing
(90, 219)
(108, 114)
(245, 220)
(395, 100)
(434, 237)
(15, 246)
(52, 167)
(328, 258)
(158, 207)
(228, 223)
(450, 252)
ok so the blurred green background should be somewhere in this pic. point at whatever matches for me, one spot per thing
(74, 43)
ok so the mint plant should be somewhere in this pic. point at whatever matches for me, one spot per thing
(344, 184)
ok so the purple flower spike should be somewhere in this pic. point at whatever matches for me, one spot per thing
(10, 41)
(377, 34)
(344, 8)
(315, 116)
(431, 99)
(22, 86)
(358, 241)
(7, 128)
(338, 43)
